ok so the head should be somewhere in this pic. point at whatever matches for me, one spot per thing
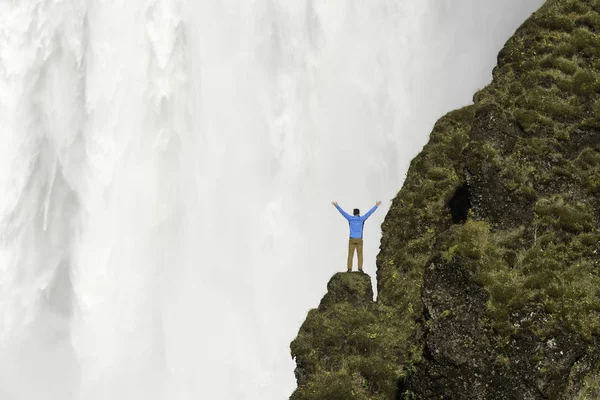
(356, 212)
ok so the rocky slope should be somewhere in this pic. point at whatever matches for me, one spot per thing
(488, 273)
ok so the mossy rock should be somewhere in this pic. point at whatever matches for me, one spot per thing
(488, 273)
(350, 339)
(350, 287)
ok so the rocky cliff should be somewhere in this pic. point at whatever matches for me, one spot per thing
(488, 274)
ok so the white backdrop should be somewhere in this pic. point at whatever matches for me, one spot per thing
(167, 169)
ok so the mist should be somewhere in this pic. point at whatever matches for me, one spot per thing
(167, 169)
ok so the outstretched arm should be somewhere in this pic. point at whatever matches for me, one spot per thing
(371, 211)
(344, 213)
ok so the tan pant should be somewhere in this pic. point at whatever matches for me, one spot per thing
(355, 244)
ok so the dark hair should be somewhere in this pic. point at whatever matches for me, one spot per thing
(356, 211)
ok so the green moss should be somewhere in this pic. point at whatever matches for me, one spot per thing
(539, 270)
(380, 374)
(564, 65)
(584, 83)
(588, 158)
(589, 124)
(586, 43)
(596, 108)
(552, 104)
(565, 50)
(419, 211)
(353, 288)
(590, 389)
(536, 147)
(553, 276)
(560, 213)
(591, 21)
(561, 172)
(572, 6)
(339, 385)
(468, 240)
(556, 22)
(360, 342)
(529, 120)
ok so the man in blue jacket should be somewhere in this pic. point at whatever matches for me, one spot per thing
(356, 223)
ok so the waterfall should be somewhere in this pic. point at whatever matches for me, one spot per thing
(167, 169)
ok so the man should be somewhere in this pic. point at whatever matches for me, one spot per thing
(356, 223)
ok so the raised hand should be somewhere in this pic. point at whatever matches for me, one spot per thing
(378, 203)
(334, 203)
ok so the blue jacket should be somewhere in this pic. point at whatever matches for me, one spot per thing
(356, 222)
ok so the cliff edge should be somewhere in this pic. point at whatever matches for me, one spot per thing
(488, 273)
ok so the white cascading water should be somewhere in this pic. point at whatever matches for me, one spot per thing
(167, 168)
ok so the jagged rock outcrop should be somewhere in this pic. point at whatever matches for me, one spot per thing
(489, 267)
(350, 347)
(353, 288)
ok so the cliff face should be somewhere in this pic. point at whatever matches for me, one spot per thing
(488, 272)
